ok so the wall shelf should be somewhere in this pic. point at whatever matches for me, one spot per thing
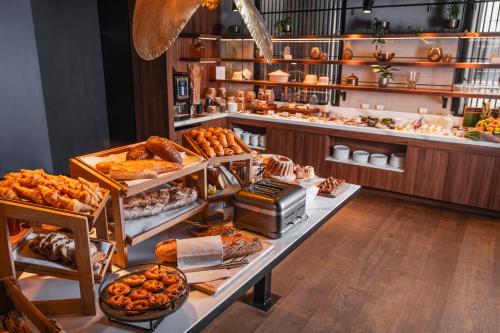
(367, 63)
(419, 91)
(200, 36)
(202, 60)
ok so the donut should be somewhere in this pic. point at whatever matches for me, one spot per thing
(156, 273)
(138, 294)
(134, 280)
(171, 279)
(153, 285)
(136, 307)
(118, 288)
(119, 301)
(158, 299)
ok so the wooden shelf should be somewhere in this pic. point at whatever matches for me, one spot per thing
(205, 60)
(419, 91)
(367, 63)
(326, 38)
(200, 36)
(386, 167)
(257, 147)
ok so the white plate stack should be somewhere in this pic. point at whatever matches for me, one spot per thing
(341, 152)
(360, 156)
(398, 160)
(378, 159)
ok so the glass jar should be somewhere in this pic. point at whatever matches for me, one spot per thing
(249, 96)
(222, 92)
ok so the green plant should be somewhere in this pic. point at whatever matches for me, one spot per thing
(379, 31)
(453, 11)
(383, 71)
(280, 25)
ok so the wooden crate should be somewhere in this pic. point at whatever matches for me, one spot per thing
(120, 190)
(78, 225)
(13, 299)
(218, 160)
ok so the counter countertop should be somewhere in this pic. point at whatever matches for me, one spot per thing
(199, 306)
(330, 125)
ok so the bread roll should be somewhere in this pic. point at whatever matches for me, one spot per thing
(164, 149)
(233, 247)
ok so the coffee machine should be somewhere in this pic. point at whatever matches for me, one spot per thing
(182, 108)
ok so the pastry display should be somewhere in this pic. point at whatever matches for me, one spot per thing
(332, 186)
(303, 172)
(280, 168)
(233, 247)
(216, 141)
(139, 153)
(56, 246)
(137, 169)
(164, 149)
(146, 290)
(80, 196)
(157, 201)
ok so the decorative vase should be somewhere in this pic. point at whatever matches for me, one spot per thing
(315, 53)
(435, 54)
(351, 80)
(347, 52)
(383, 82)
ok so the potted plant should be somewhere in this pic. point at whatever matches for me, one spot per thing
(385, 73)
(284, 25)
(453, 12)
(380, 28)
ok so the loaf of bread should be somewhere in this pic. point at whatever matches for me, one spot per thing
(137, 169)
(164, 149)
(234, 247)
(139, 153)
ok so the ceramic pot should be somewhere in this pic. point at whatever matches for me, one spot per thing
(351, 80)
(435, 54)
(452, 23)
(383, 82)
(315, 53)
(384, 56)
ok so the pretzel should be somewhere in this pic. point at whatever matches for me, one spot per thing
(118, 288)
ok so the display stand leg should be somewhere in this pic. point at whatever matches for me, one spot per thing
(248, 172)
(152, 324)
(7, 263)
(121, 256)
(82, 242)
(202, 192)
(262, 298)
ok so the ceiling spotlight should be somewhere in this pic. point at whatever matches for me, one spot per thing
(367, 6)
(235, 9)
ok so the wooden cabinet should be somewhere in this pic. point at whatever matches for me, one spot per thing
(302, 147)
(473, 180)
(426, 171)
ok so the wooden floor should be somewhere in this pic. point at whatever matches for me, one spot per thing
(383, 265)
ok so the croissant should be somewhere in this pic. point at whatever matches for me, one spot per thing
(73, 205)
(83, 196)
(49, 195)
(28, 193)
(6, 190)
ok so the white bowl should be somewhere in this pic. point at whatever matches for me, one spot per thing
(341, 152)
(360, 156)
(378, 159)
(279, 76)
(397, 160)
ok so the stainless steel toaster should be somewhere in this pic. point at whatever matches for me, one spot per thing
(269, 207)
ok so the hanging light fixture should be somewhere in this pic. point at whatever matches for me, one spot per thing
(367, 6)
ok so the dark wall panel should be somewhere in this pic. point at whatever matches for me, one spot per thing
(24, 139)
(69, 51)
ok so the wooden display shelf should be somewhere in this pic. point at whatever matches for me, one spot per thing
(419, 91)
(394, 63)
(201, 60)
(218, 160)
(200, 36)
(78, 226)
(120, 190)
(14, 300)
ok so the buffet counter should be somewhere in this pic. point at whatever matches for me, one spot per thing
(200, 308)
(442, 168)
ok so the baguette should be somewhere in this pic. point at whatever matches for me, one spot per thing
(234, 246)
(137, 169)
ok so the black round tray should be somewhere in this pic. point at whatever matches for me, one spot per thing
(147, 315)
